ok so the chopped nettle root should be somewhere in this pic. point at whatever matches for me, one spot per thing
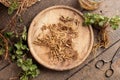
(59, 39)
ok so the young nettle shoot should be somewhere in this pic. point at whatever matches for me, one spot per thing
(19, 55)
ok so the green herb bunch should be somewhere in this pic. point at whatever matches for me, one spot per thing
(20, 50)
(100, 21)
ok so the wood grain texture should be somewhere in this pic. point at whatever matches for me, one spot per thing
(90, 72)
(107, 8)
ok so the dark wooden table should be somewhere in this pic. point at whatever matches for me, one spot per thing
(87, 70)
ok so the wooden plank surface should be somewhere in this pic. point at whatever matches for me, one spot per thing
(86, 70)
(90, 72)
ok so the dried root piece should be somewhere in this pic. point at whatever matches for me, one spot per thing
(6, 45)
(5, 2)
(103, 38)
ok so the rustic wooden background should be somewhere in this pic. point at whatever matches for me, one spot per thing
(87, 70)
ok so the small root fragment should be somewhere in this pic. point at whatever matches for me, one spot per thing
(6, 46)
(102, 40)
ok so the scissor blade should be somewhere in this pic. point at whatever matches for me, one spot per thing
(117, 55)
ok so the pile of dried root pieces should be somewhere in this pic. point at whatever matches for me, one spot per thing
(59, 40)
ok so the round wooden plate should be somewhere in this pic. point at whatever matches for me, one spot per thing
(82, 44)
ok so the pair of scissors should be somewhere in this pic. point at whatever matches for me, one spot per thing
(110, 71)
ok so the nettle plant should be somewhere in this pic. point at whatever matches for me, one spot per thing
(18, 52)
(101, 23)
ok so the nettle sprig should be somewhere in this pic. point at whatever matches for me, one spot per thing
(20, 50)
(100, 21)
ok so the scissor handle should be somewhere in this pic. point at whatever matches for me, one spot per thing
(99, 64)
(109, 73)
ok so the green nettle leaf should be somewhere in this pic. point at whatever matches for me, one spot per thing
(101, 23)
(24, 34)
(18, 45)
(33, 67)
(23, 77)
(115, 26)
(19, 62)
(14, 5)
(24, 47)
(37, 72)
(29, 61)
(114, 22)
(19, 52)
(2, 51)
(8, 34)
(13, 57)
(25, 68)
(34, 74)
(91, 21)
